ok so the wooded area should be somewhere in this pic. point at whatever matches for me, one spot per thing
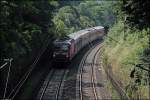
(127, 47)
(26, 24)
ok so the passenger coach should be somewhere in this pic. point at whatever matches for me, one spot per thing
(66, 48)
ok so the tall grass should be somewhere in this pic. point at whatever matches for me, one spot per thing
(123, 48)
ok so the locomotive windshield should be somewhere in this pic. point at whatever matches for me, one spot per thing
(61, 47)
(61, 44)
(64, 47)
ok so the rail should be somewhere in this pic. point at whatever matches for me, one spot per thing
(48, 84)
(18, 86)
(81, 72)
(116, 85)
(93, 74)
(49, 79)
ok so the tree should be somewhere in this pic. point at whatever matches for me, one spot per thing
(137, 12)
(24, 26)
(98, 11)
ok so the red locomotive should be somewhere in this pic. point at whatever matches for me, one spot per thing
(66, 48)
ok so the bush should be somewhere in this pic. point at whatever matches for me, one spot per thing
(124, 49)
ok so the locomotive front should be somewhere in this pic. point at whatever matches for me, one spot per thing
(61, 50)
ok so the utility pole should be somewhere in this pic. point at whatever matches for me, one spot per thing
(8, 74)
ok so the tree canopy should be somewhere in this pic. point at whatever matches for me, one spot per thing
(137, 13)
(23, 27)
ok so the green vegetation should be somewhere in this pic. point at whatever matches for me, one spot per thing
(112, 90)
(82, 14)
(126, 48)
(25, 25)
(125, 53)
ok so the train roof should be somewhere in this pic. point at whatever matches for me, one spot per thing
(64, 40)
(76, 35)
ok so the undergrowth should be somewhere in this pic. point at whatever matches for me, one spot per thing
(124, 50)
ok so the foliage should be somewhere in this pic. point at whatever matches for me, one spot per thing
(126, 47)
(99, 11)
(137, 13)
(24, 26)
(78, 15)
(126, 52)
(66, 21)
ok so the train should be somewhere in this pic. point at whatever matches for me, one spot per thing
(65, 49)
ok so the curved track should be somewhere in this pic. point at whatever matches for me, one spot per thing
(92, 77)
(78, 81)
(55, 86)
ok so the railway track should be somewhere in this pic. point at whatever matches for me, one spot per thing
(52, 87)
(96, 92)
(121, 92)
(94, 95)
(14, 92)
(93, 75)
(55, 88)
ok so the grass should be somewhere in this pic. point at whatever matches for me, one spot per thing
(128, 49)
(109, 85)
(112, 90)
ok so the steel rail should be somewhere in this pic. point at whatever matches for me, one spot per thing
(93, 74)
(50, 77)
(80, 74)
(60, 85)
(81, 69)
(80, 77)
(13, 90)
(22, 81)
(116, 85)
